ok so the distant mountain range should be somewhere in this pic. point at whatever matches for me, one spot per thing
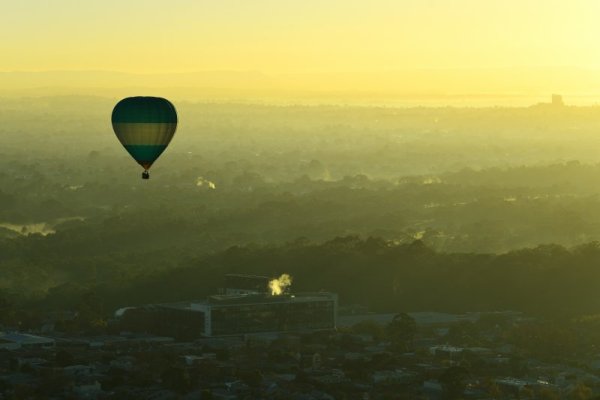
(414, 83)
(103, 79)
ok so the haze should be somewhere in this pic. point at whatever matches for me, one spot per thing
(363, 199)
(410, 47)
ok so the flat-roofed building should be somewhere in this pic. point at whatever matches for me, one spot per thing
(239, 314)
(234, 315)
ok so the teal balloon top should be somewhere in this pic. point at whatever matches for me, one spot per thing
(144, 126)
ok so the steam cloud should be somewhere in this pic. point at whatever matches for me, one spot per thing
(278, 285)
(201, 181)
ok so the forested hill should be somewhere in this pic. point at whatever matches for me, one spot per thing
(393, 277)
(241, 182)
(546, 280)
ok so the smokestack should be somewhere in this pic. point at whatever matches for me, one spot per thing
(278, 285)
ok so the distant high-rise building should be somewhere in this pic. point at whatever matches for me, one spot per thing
(557, 100)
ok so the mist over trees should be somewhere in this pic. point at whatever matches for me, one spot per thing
(431, 208)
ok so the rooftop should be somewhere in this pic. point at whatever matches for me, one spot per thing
(267, 298)
(260, 298)
(24, 338)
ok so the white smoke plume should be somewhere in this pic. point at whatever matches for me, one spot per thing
(201, 181)
(278, 285)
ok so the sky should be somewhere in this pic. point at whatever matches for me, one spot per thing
(297, 36)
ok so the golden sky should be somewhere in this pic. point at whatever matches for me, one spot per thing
(296, 36)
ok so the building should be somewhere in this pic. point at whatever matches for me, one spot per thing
(234, 314)
(14, 341)
(175, 320)
(556, 103)
(262, 313)
(223, 315)
(557, 100)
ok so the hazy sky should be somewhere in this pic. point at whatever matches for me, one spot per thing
(283, 36)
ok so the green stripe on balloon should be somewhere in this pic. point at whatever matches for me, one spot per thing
(145, 154)
(144, 110)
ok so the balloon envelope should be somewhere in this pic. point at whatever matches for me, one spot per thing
(144, 126)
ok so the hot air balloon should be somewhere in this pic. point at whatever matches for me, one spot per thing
(144, 126)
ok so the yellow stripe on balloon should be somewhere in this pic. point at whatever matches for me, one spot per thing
(145, 133)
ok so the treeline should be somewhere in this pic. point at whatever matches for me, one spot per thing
(548, 280)
(484, 211)
(460, 180)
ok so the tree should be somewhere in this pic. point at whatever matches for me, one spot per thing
(402, 331)
(7, 310)
(90, 312)
(548, 394)
(63, 359)
(453, 382)
(581, 392)
(175, 379)
(369, 327)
